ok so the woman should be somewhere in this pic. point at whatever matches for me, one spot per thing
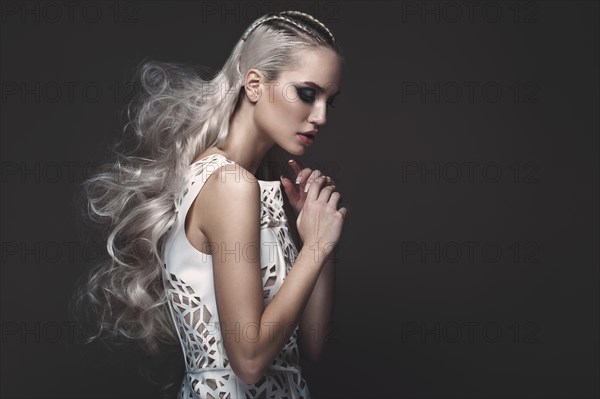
(198, 245)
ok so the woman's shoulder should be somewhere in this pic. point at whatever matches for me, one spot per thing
(227, 181)
(226, 193)
(236, 172)
(227, 201)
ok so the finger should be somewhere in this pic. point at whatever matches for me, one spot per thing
(326, 193)
(328, 180)
(334, 199)
(315, 175)
(314, 188)
(303, 176)
(288, 185)
(298, 171)
(295, 165)
(311, 179)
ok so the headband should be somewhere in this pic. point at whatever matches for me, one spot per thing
(282, 16)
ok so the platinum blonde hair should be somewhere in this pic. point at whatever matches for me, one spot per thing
(175, 116)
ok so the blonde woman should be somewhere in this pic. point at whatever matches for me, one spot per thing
(201, 250)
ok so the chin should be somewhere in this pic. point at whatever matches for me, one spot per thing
(294, 148)
(298, 151)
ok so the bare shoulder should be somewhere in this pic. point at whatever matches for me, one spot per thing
(230, 195)
(231, 178)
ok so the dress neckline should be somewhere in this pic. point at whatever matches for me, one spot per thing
(272, 182)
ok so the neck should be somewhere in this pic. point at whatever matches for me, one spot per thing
(245, 145)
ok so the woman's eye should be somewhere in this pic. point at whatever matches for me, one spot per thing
(306, 95)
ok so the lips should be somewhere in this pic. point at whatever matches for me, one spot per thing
(311, 134)
(306, 138)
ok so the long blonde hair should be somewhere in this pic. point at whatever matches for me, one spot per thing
(176, 115)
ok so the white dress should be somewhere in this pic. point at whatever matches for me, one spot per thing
(188, 278)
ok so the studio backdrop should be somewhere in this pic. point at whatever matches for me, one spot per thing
(464, 143)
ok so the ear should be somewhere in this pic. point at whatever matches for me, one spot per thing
(252, 84)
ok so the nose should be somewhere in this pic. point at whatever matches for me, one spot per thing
(318, 115)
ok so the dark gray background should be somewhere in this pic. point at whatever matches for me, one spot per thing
(430, 323)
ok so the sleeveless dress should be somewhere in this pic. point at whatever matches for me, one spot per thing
(189, 284)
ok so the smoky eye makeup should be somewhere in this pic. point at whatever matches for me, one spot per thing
(307, 95)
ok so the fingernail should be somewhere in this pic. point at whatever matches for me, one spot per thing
(306, 187)
(299, 179)
(290, 161)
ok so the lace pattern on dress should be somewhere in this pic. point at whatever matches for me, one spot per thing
(208, 370)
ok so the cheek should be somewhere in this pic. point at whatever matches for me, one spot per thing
(284, 101)
(291, 103)
(281, 111)
(294, 110)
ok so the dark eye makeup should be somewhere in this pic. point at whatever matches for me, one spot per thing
(308, 96)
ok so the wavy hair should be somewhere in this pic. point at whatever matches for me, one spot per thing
(175, 115)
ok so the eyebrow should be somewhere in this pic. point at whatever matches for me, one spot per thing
(319, 88)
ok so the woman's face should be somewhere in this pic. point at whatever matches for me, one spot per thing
(294, 104)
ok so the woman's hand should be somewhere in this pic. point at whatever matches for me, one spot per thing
(320, 222)
(295, 192)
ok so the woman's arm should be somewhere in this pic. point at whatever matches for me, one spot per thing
(316, 322)
(253, 335)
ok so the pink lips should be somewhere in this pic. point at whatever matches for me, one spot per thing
(308, 137)
(311, 132)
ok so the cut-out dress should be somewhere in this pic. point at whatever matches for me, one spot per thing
(189, 284)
